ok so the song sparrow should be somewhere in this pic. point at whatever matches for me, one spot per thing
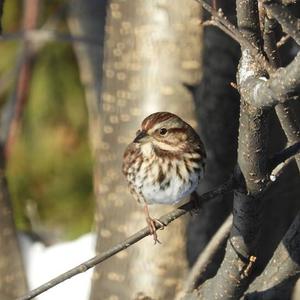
(164, 163)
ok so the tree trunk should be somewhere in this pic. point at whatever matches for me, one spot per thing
(218, 114)
(152, 51)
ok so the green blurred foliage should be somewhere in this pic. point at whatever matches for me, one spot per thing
(50, 163)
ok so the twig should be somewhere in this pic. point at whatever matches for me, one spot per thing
(268, 92)
(285, 112)
(206, 256)
(277, 171)
(247, 271)
(284, 17)
(232, 31)
(284, 155)
(166, 219)
(283, 40)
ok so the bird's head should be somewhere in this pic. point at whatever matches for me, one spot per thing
(165, 131)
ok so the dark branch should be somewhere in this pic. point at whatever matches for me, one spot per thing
(233, 32)
(284, 155)
(288, 21)
(283, 84)
(206, 257)
(282, 270)
(285, 112)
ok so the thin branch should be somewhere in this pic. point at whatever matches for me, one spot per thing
(265, 93)
(165, 219)
(206, 256)
(282, 270)
(288, 21)
(233, 32)
(282, 41)
(285, 112)
(284, 155)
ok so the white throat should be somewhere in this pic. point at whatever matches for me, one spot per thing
(147, 149)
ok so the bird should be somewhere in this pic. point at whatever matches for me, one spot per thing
(164, 163)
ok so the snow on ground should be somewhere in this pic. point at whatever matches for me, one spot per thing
(44, 263)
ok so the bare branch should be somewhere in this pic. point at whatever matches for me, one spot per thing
(206, 256)
(282, 270)
(232, 277)
(289, 23)
(233, 32)
(285, 113)
(283, 84)
(166, 219)
(284, 155)
(283, 40)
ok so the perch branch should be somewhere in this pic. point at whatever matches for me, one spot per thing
(165, 219)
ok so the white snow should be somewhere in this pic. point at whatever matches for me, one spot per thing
(44, 263)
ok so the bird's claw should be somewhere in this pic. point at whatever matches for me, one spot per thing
(152, 228)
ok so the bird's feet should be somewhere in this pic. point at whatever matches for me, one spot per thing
(152, 228)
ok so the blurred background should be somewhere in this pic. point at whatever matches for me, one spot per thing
(49, 165)
(77, 78)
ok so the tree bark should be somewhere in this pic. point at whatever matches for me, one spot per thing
(217, 106)
(150, 56)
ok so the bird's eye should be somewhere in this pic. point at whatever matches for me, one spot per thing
(138, 132)
(163, 131)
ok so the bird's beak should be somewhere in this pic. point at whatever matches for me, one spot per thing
(141, 137)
